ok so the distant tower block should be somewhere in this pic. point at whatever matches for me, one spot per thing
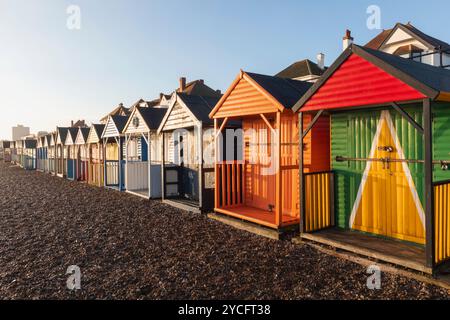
(19, 132)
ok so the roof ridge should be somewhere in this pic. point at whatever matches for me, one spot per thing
(290, 84)
(308, 64)
(201, 97)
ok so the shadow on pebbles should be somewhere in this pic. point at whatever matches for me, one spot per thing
(130, 248)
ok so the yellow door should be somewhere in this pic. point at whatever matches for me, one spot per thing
(387, 202)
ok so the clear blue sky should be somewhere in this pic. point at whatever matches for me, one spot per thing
(131, 49)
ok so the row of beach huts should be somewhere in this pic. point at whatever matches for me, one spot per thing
(354, 155)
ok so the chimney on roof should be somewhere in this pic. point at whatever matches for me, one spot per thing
(347, 40)
(201, 81)
(71, 123)
(182, 84)
(321, 61)
(219, 91)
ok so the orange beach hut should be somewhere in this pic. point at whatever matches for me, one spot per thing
(261, 185)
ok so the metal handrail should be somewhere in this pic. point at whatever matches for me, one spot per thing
(443, 163)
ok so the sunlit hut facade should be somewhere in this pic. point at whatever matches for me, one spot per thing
(71, 153)
(46, 151)
(143, 152)
(41, 154)
(52, 153)
(187, 133)
(14, 155)
(263, 187)
(28, 153)
(389, 151)
(82, 154)
(61, 152)
(96, 156)
(6, 146)
(113, 144)
(18, 144)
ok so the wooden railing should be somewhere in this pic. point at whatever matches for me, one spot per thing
(112, 173)
(442, 221)
(230, 183)
(319, 201)
(95, 173)
(137, 175)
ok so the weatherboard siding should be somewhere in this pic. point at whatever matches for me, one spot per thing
(141, 128)
(245, 99)
(110, 130)
(178, 118)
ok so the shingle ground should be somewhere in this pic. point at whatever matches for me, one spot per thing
(130, 248)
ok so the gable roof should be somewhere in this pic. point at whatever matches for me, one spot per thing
(199, 88)
(430, 41)
(197, 107)
(30, 143)
(95, 133)
(61, 132)
(49, 139)
(285, 91)
(72, 132)
(120, 110)
(200, 106)
(98, 129)
(432, 82)
(376, 42)
(281, 92)
(85, 132)
(82, 135)
(152, 116)
(301, 69)
(118, 124)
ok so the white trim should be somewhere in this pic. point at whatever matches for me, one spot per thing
(366, 173)
(406, 170)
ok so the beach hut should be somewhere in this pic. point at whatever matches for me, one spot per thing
(51, 141)
(14, 154)
(95, 155)
(61, 152)
(28, 153)
(261, 186)
(71, 153)
(6, 146)
(143, 152)
(387, 194)
(113, 144)
(19, 152)
(82, 154)
(188, 143)
(46, 147)
(41, 153)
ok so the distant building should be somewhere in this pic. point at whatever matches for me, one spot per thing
(19, 132)
(78, 124)
(407, 41)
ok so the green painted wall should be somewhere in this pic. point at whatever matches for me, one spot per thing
(441, 138)
(352, 134)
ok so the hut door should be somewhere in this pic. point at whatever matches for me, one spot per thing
(387, 202)
(259, 180)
